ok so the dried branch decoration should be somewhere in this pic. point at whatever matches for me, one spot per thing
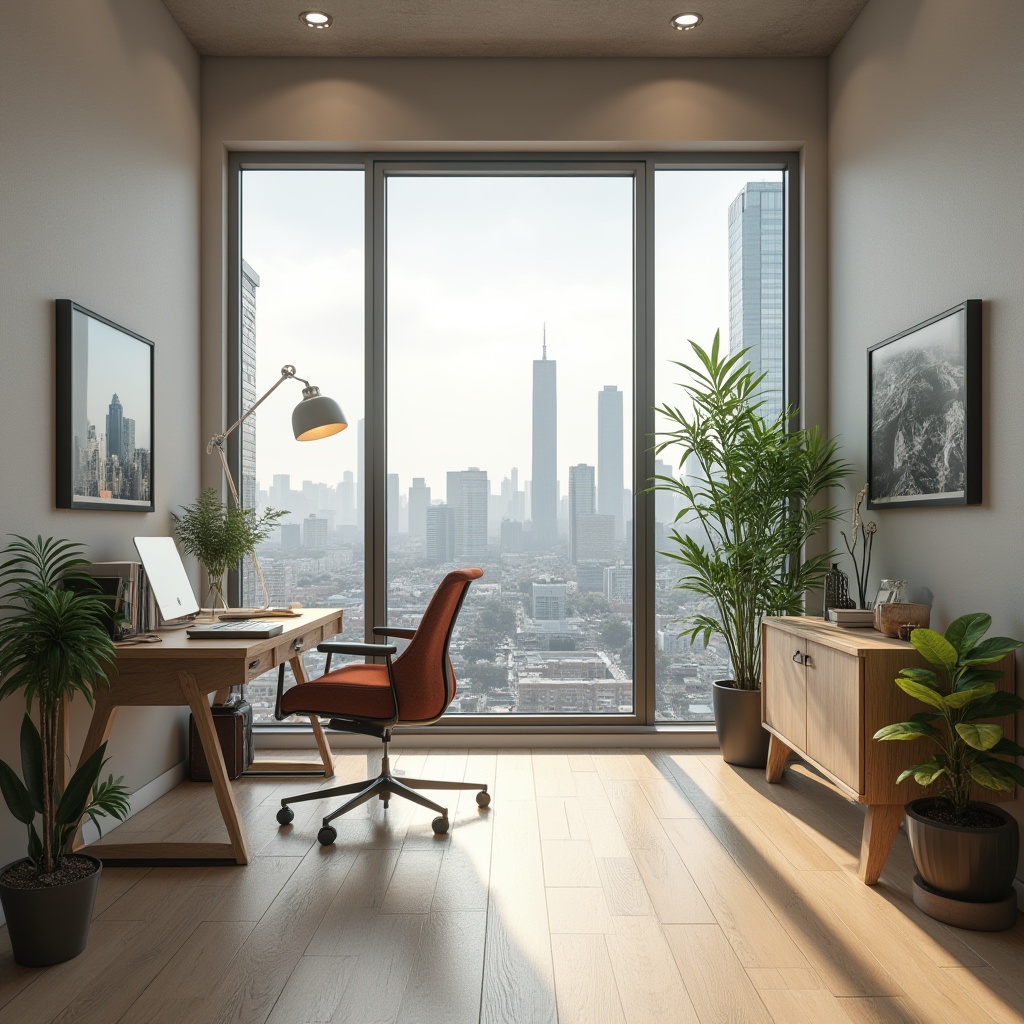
(864, 535)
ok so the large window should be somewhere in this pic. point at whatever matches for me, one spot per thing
(509, 391)
(719, 267)
(488, 326)
(302, 303)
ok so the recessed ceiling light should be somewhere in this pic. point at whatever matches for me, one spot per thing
(684, 22)
(315, 19)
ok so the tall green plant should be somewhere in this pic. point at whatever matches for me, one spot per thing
(969, 747)
(221, 535)
(753, 500)
(53, 644)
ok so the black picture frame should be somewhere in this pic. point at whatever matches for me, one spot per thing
(924, 413)
(104, 400)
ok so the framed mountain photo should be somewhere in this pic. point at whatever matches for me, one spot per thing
(924, 413)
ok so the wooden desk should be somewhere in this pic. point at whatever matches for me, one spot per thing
(178, 671)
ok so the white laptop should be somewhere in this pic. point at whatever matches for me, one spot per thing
(176, 599)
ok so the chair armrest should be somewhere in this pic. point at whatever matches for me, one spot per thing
(344, 647)
(404, 632)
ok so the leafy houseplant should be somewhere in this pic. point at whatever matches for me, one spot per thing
(754, 501)
(53, 644)
(220, 535)
(960, 696)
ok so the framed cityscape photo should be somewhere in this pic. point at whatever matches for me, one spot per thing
(924, 413)
(104, 413)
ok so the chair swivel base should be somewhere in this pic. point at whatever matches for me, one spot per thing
(384, 786)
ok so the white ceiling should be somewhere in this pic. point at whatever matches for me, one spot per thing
(515, 28)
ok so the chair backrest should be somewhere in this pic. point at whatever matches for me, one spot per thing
(424, 680)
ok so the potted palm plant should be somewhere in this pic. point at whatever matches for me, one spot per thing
(220, 535)
(54, 643)
(751, 508)
(965, 850)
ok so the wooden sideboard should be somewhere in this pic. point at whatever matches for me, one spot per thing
(825, 692)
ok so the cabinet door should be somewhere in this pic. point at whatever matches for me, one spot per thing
(785, 699)
(833, 713)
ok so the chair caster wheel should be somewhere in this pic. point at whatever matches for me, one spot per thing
(483, 798)
(439, 825)
(327, 835)
(285, 816)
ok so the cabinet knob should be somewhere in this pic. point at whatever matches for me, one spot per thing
(798, 658)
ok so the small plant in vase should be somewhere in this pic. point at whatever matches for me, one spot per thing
(964, 850)
(220, 535)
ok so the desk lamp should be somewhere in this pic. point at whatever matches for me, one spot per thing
(316, 416)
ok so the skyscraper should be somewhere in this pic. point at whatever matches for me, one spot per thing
(392, 506)
(581, 503)
(756, 285)
(115, 423)
(468, 493)
(544, 490)
(440, 534)
(247, 492)
(609, 456)
(419, 502)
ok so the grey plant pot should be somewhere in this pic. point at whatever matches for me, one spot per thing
(49, 926)
(974, 864)
(741, 737)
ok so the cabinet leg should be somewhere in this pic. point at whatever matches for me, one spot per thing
(881, 824)
(778, 754)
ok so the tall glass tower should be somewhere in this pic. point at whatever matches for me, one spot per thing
(609, 456)
(756, 285)
(544, 491)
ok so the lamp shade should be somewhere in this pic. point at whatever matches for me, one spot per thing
(317, 416)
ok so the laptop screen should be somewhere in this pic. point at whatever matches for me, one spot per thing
(167, 577)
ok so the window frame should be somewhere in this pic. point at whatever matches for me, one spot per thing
(641, 166)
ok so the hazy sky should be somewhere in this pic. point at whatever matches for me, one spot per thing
(118, 364)
(476, 267)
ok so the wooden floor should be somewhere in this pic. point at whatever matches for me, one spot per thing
(601, 887)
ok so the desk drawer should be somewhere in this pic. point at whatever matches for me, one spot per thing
(296, 646)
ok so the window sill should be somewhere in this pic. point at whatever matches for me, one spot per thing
(295, 737)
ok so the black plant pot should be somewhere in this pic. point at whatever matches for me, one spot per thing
(971, 864)
(741, 737)
(49, 926)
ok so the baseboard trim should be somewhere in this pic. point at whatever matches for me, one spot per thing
(140, 799)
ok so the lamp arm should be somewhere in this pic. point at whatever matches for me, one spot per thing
(217, 441)
(216, 444)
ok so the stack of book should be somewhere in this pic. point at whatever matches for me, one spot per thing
(127, 583)
(855, 617)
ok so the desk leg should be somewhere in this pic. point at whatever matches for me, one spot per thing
(881, 824)
(300, 767)
(203, 719)
(318, 732)
(103, 714)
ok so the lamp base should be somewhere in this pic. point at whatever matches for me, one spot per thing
(258, 613)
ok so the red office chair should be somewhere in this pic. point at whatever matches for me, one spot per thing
(415, 689)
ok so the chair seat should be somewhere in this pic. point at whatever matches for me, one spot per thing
(361, 691)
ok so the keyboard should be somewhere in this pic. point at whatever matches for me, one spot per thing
(231, 629)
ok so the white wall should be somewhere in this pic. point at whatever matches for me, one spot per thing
(99, 202)
(926, 146)
(511, 105)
